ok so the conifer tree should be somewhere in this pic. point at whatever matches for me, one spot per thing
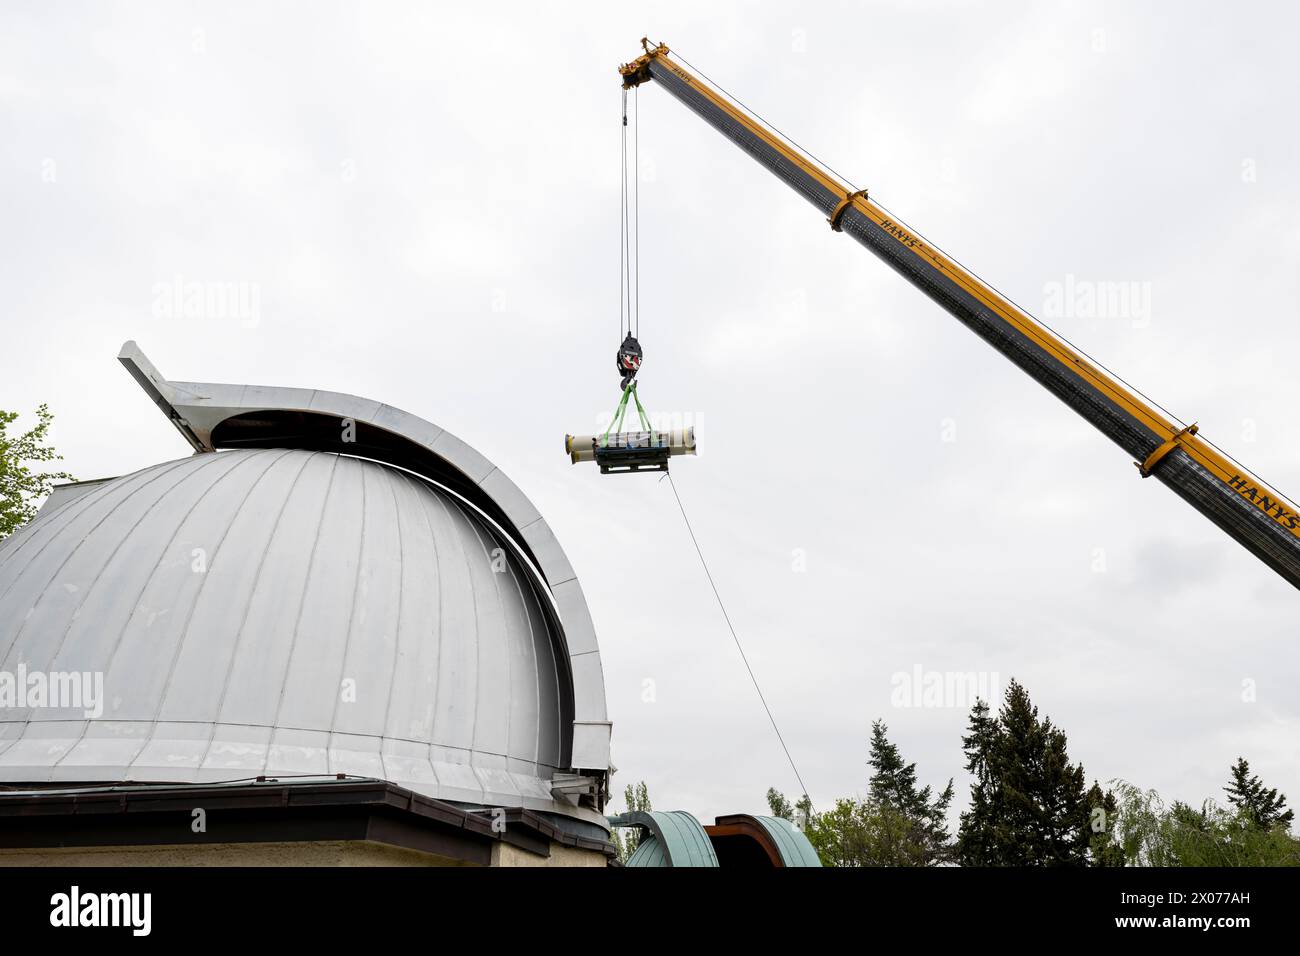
(977, 837)
(1265, 808)
(1028, 805)
(892, 792)
(893, 783)
(1104, 848)
(897, 824)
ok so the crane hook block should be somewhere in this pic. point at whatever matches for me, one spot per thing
(629, 360)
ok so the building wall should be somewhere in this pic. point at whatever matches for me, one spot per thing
(340, 853)
(503, 854)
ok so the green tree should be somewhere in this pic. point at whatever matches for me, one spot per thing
(636, 798)
(1104, 848)
(897, 824)
(1265, 808)
(979, 835)
(839, 835)
(1028, 802)
(860, 833)
(799, 814)
(21, 487)
(893, 782)
(1151, 834)
(778, 805)
(892, 791)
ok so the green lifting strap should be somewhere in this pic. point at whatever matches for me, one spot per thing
(616, 423)
(645, 419)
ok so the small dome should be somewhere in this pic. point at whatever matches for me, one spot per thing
(276, 611)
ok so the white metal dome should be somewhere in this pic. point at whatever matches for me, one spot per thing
(279, 611)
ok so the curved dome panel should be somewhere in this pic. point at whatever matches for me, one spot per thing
(281, 612)
(211, 416)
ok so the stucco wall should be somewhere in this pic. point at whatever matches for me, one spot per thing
(503, 854)
(341, 853)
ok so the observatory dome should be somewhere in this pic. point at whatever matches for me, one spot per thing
(328, 586)
(281, 612)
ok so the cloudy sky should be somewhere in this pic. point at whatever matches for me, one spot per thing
(423, 205)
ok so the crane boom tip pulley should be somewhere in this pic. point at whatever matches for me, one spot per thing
(638, 71)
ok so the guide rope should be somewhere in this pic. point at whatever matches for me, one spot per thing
(727, 617)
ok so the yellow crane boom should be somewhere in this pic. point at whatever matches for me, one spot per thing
(1257, 516)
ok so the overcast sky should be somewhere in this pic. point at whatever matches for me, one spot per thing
(425, 205)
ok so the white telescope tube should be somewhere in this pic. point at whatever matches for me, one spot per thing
(678, 441)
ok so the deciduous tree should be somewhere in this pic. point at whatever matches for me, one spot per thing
(21, 486)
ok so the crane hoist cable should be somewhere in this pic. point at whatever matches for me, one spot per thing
(629, 268)
(614, 450)
(629, 305)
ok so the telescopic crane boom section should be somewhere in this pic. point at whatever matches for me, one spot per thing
(1258, 517)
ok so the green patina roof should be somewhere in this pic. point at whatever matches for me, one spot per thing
(674, 838)
(793, 845)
